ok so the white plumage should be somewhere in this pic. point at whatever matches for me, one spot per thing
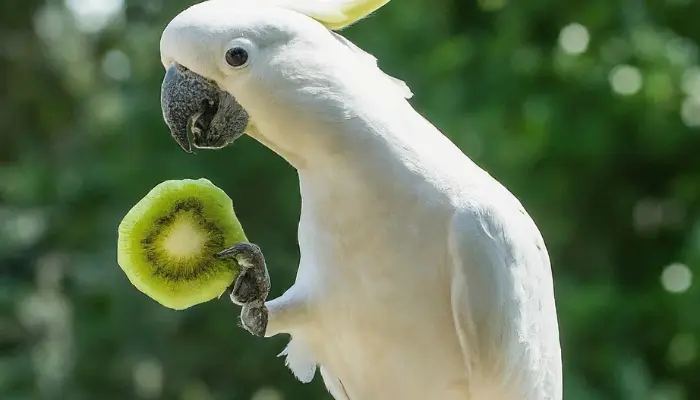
(421, 277)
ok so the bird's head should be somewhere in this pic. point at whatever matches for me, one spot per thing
(228, 62)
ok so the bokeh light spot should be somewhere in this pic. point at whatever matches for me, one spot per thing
(676, 278)
(682, 350)
(116, 65)
(49, 23)
(690, 112)
(94, 15)
(574, 38)
(625, 80)
(148, 378)
(267, 393)
(690, 82)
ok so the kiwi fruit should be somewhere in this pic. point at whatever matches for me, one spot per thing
(168, 240)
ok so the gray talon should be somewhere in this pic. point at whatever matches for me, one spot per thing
(254, 318)
(245, 289)
(251, 287)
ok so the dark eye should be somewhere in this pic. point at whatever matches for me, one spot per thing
(236, 56)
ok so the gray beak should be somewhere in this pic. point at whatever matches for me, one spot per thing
(198, 113)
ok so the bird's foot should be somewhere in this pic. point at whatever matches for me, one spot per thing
(251, 287)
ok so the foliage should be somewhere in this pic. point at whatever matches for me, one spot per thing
(588, 111)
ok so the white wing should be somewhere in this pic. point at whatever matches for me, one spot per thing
(503, 301)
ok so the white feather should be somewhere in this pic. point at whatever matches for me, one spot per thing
(299, 361)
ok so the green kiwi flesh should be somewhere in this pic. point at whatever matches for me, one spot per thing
(168, 240)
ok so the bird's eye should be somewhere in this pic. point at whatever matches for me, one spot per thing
(237, 57)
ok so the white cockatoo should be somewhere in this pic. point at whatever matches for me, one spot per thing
(421, 277)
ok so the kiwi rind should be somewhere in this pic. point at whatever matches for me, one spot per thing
(168, 280)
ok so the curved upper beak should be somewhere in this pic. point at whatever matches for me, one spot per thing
(197, 112)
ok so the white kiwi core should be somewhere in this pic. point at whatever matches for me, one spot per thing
(184, 239)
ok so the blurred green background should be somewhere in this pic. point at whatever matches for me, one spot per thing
(588, 111)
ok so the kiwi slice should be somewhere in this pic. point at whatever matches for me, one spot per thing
(168, 240)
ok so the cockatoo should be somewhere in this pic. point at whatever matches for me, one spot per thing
(420, 276)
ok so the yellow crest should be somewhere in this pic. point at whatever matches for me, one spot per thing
(351, 11)
(334, 14)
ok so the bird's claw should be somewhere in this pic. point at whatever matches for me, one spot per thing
(251, 287)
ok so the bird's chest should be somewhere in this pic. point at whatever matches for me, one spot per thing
(371, 250)
(380, 277)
